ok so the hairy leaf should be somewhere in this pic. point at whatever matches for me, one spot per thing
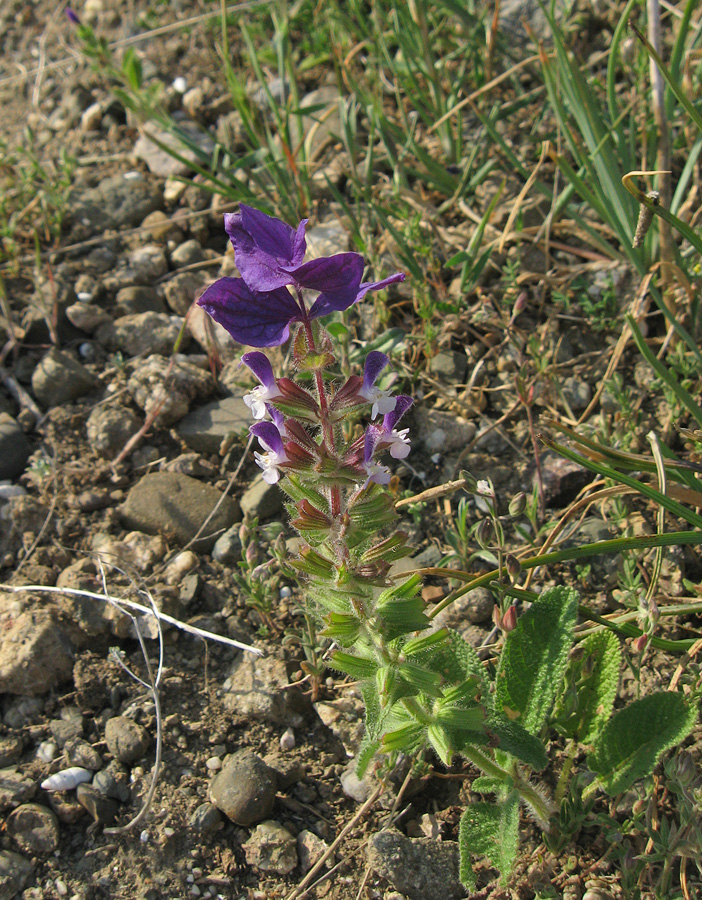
(517, 741)
(490, 830)
(534, 658)
(597, 686)
(630, 744)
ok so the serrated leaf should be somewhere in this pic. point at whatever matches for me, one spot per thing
(596, 690)
(517, 741)
(534, 658)
(490, 830)
(631, 743)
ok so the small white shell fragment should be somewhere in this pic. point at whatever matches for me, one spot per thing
(46, 751)
(287, 739)
(144, 837)
(67, 779)
(180, 85)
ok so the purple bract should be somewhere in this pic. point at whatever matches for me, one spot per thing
(258, 309)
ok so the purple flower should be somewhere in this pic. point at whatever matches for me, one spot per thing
(257, 309)
(268, 389)
(375, 471)
(72, 16)
(270, 439)
(391, 439)
(259, 320)
(381, 400)
(266, 248)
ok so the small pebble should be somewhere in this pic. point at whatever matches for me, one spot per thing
(285, 593)
(180, 84)
(287, 739)
(61, 888)
(144, 837)
(214, 764)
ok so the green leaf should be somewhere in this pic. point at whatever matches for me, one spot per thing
(630, 744)
(457, 662)
(534, 658)
(597, 688)
(517, 741)
(485, 784)
(440, 741)
(354, 666)
(490, 830)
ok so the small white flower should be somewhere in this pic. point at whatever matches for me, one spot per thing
(256, 400)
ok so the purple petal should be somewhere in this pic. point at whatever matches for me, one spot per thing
(402, 404)
(331, 302)
(378, 285)
(337, 277)
(374, 365)
(273, 237)
(371, 441)
(269, 436)
(277, 417)
(261, 366)
(256, 319)
(71, 15)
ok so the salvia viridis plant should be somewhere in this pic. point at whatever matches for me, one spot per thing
(427, 694)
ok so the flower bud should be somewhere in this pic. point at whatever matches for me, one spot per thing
(251, 554)
(244, 532)
(517, 504)
(640, 643)
(519, 304)
(513, 566)
(509, 620)
(484, 533)
(684, 768)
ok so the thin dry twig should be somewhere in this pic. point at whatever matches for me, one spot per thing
(132, 604)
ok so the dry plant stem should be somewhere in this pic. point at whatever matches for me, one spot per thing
(307, 880)
(144, 610)
(432, 493)
(153, 688)
(637, 312)
(663, 158)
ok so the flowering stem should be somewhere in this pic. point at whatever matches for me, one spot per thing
(327, 427)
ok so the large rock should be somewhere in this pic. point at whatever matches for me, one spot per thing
(170, 389)
(14, 448)
(271, 848)
(35, 655)
(143, 334)
(244, 789)
(15, 872)
(117, 201)
(256, 687)
(59, 379)
(206, 427)
(160, 162)
(420, 868)
(175, 506)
